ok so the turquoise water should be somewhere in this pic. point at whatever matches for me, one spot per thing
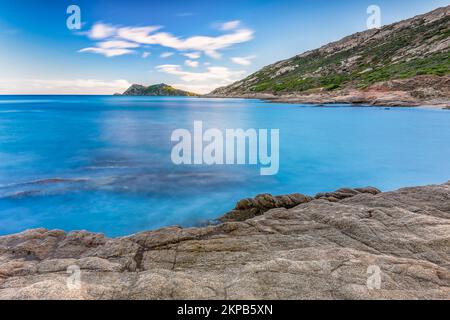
(103, 163)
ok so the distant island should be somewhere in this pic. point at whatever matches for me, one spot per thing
(405, 63)
(157, 90)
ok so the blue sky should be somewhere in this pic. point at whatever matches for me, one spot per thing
(195, 45)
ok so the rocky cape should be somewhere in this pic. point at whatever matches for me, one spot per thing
(403, 64)
(158, 90)
(286, 247)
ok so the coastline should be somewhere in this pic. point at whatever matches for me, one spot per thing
(356, 100)
(418, 91)
(328, 241)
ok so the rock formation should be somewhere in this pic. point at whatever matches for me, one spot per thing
(331, 247)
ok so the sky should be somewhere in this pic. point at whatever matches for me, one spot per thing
(193, 45)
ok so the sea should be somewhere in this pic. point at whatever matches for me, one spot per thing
(104, 163)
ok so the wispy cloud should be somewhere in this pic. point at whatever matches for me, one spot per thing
(146, 54)
(101, 31)
(166, 54)
(192, 55)
(62, 86)
(150, 35)
(197, 88)
(205, 81)
(112, 52)
(243, 61)
(191, 63)
(230, 25)
(212, 73)
(117, 44)
(112, 48)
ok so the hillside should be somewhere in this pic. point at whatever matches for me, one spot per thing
(156, 90)
(409, 59)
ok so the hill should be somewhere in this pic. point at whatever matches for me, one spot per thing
(161, 89)
(403, 63)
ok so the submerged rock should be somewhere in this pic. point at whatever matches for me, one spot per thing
(350, 244)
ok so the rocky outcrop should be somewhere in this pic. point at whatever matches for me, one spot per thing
(250, 208)
(350, 244)
(416, 91)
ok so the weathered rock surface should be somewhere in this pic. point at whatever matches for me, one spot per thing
(321, 249)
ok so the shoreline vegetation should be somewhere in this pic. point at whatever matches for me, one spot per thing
(328, 241)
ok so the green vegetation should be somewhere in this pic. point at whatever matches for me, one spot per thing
(400, 53)
(434, 64)
(156, 90)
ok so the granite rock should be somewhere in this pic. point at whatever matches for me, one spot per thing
(351, 244)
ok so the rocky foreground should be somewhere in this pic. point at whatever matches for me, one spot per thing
(331, 246)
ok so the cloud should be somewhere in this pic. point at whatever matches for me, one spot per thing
(206, 44)
(117, 44)
(166, 54)
(213, 73)
(107, 52)
(243, 61)
(112, 48)
(136, 33)
(192, 55)
(150, 35)
(196, 88)
(213, 54)
(191, 63)
(204, 81)
(230, 25)
(62, 86)
(146, 54)
(101, 31)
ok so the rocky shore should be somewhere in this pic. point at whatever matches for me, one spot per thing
(425, 91)
(330, 246)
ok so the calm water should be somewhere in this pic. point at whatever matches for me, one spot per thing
(103, 163)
